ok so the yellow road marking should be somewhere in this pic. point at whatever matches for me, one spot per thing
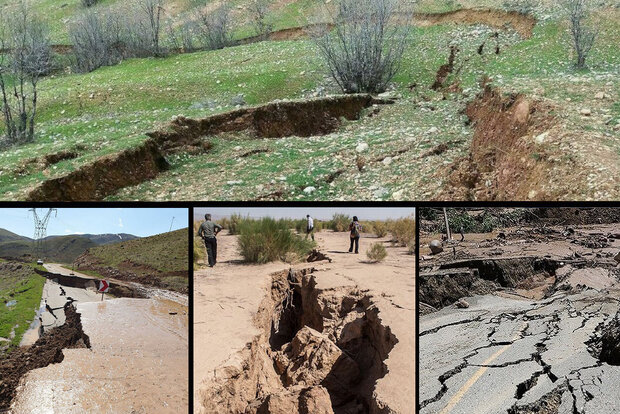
(471, 381)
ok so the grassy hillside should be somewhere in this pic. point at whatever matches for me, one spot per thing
(20, 284)
(112, 108)
(63, 249)
(160, 260)
(6, 235)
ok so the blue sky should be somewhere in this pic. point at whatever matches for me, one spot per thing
(321, 213)
(137, 221)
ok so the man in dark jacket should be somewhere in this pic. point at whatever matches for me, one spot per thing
(355, 228)
(208, 230)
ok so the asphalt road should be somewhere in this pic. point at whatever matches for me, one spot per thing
(509, 355)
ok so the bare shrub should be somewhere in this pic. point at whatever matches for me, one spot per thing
(26, 57)
(97, 40)
(215, 27)
(89, 3)
(521, 6)
(259, 10)
(182, 36)
(104, 38)
(376, 253)
(582, 33)
(152, 11)
(364, 50)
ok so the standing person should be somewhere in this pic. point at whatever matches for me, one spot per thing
(309, 227)
(208, 230)
(355, 228)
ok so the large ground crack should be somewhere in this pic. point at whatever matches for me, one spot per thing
(45, 351)
(320, 350)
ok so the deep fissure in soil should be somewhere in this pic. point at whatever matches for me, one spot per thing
(321, 351)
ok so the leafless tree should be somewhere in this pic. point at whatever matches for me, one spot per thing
(215, 27)
(26, 57)
(364, 49)
(153, 11)
(182, 36)
(259, 10)
(582, 33)
(102, 38)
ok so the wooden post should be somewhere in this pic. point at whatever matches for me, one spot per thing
(445, 217)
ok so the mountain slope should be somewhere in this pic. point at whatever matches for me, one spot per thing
(6, 235)
(63, 249)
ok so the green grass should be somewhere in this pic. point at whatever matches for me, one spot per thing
(141, 94)
(162, 257)
(26, 287)
(166, 252)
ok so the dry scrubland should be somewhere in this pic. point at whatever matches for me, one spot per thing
(331, 333)
(267, 240)
(557, 126)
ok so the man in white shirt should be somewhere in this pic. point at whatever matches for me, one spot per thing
(310, 227)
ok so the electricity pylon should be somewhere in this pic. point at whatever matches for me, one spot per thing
(40, 230)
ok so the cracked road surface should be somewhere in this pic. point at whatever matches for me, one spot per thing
(516, 354)
(500, 354)
(527, 338)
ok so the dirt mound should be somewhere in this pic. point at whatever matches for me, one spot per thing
(444, 287)
(521, 23)
(605, 346)
(46, 350)
(503, 163)
(317, 256)
(456, 279)
(315, 344)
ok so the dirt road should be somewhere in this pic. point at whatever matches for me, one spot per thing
(535, 343)
(233, 301)
(137, 361)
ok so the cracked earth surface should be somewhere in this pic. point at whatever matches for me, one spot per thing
(355, 320)
(505, 352)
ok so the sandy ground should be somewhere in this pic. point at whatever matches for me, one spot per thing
(227, 297)
(137, 363)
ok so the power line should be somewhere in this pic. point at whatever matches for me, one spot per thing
(40, 230)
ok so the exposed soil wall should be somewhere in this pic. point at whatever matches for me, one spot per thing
(104, 176)
(453, 280)
(320, 351)
(502, 164)
(500, 19)
(46, 350)
(273, 120)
